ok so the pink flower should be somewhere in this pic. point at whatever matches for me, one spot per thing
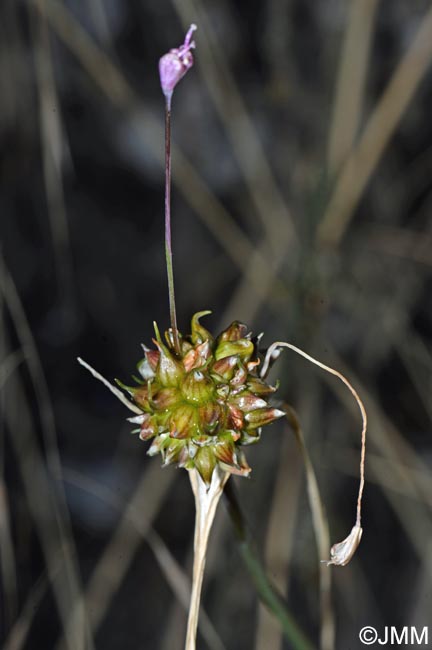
(174, 65)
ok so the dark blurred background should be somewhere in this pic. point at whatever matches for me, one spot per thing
(302, 203)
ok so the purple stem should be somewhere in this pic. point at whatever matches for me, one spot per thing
(168, 247)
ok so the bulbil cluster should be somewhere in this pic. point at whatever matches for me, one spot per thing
(201, 405)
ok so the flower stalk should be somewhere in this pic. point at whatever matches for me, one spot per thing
(172, 67)
(168, 245)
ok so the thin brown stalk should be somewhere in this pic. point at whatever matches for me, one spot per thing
(382, 472)
(387, 438)
(282, 344)
(413, 514)
(407, 511)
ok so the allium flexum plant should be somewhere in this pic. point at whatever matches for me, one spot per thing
(199, 399)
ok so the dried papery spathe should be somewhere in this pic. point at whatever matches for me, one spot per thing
(342, 552)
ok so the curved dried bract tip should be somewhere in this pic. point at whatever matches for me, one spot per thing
(174, 65)
(132, 407)
(342, 552)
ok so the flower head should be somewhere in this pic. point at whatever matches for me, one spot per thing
(200, 406)
(174, 65)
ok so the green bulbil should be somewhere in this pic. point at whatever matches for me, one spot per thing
(200, 406)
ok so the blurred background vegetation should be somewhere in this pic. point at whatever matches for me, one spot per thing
(302, 206)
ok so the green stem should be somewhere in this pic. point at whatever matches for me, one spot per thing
(267, 592)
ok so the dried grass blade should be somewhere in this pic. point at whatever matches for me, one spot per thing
(280, 537)
(364, 158)
(353, 61)
(322, 535)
